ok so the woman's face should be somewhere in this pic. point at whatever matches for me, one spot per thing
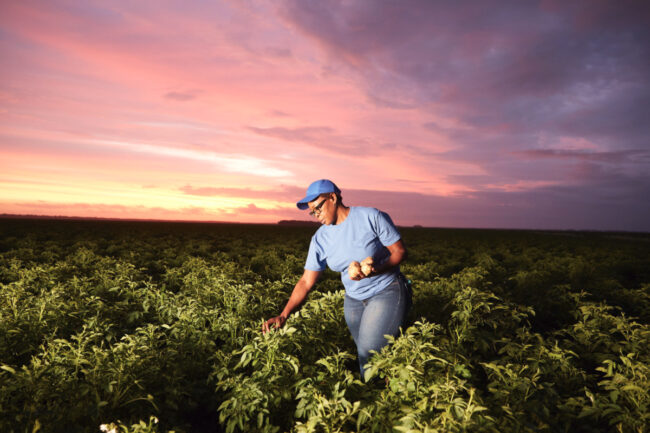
(323, 209)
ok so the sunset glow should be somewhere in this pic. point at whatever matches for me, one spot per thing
(225, 111)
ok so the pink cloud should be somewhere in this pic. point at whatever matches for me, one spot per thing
(324, 138)
(250, 213)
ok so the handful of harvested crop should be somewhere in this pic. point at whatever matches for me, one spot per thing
(366, 266)
(354, 270)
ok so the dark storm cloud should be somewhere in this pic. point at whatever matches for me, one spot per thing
(550, 100)
(567, 68)
(621, 118)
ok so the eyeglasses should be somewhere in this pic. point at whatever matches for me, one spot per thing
(316, 209)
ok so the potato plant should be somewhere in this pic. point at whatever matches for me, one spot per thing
(156, 327)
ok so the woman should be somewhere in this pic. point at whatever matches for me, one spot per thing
(375, 304)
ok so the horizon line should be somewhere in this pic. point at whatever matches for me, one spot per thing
(296, 222)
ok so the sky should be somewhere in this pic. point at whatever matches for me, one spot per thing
(490, 114)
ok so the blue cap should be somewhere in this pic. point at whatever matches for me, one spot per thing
(317, 188)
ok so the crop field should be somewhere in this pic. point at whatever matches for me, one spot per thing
(156, 327)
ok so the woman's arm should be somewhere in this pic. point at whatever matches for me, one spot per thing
(397, 255)
(298, 295)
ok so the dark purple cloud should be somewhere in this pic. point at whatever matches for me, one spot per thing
(486, 61)
(523, 78)
(630, 156)
(549, 94)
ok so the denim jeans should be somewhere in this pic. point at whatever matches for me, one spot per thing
(369, 320)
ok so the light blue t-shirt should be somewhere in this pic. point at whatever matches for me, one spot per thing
(365, 232)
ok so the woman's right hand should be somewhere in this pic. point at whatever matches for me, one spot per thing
(299, 294)
(273, 323)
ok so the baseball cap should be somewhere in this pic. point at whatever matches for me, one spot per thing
(317, 188)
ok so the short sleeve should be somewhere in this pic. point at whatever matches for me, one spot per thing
(385, 229)
(315, 257)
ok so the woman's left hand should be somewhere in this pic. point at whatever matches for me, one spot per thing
(361, 275)
(397, 255)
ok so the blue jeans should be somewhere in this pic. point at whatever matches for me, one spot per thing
(369, 320)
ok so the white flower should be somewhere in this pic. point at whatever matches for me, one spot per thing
(108, 428)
